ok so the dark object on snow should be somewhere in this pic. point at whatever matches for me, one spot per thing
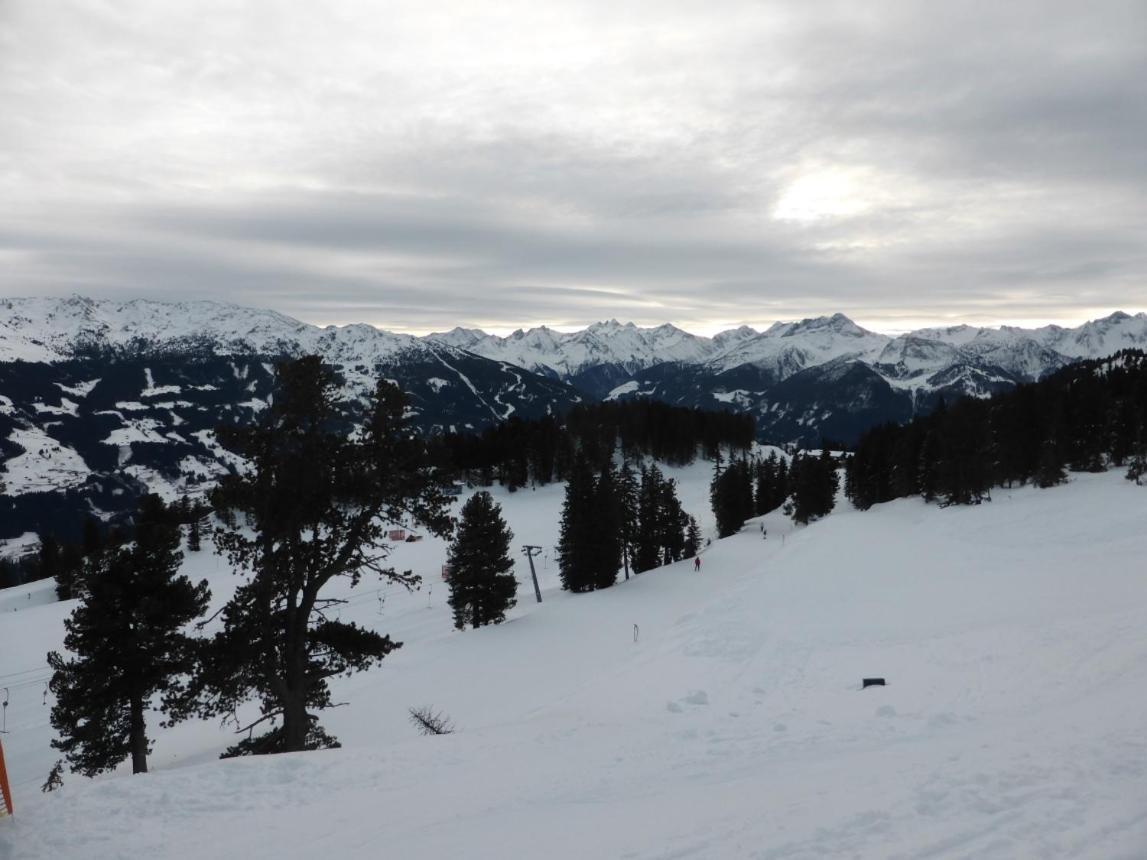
(872, 682)
(431, 722)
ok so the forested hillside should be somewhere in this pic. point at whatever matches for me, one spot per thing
(1087, 417)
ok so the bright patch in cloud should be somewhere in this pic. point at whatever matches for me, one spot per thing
(822, 194)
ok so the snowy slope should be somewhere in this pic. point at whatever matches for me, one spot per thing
(1011, 635)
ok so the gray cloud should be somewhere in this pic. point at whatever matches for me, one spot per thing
(422, 164)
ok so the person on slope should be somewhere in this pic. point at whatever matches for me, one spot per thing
(696, 563)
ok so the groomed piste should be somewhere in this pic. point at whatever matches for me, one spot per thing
(1011, 636)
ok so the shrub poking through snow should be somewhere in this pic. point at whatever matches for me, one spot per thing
(431, 722)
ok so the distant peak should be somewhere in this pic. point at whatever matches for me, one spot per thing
(837, 322)
(1118, 316)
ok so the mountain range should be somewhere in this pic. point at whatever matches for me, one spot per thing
(101, 398)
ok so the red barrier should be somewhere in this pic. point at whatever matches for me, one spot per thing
(5, 789)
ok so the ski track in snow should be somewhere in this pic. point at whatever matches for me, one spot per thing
(466, 381)
(1011, 635)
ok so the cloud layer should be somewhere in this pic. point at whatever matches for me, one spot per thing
(424, 164)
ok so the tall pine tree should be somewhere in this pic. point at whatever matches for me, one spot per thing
(627, 494)
(577, 554)
(482, 587)
(310, 509)
(608, 517)
(127, 641)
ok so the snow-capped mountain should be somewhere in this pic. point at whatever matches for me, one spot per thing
(595, 359)
(99, 400)
(97, 397)
(829, 377)
(787, 348)
(47, 330)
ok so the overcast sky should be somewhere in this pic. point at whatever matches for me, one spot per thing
(420, 165)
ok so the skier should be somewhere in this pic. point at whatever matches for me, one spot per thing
(696, 563)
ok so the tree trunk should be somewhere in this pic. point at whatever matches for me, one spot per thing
(295, 723)
(138, 737)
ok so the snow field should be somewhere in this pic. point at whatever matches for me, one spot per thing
(1011, 635)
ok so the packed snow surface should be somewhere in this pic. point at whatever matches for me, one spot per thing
(709, 715)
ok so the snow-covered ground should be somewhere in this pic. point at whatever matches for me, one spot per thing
(1011, 634)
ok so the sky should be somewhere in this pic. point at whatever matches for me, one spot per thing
(420, 165)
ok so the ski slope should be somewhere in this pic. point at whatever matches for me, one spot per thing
(1012, 636)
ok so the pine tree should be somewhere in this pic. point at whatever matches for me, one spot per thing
(576, 554)
(196, 513)
(607, 518)
(48, 561)
(672, 522)
(1051, 471)
(194, 537)
(731, 495)
(1137, 460)
(647, 542)
(70, 572)
(128, 645)
(814, 483)
(313, 503)
(692, 538)
(482, 587)
(93, 540)
(627, 495)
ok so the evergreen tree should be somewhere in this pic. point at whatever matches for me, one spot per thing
(1051, 471)
(482, 586)
(70, 572)
(48, 561)
(731, 495)
(672, 522)
(814, 482)
(628, 491)
(128, 645)
(194, 535)
(576, 554)
(312, 504)
(692, 539)
(647, 544)
(93, 538)
(608, 516)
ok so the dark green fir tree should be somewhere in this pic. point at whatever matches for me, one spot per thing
(482, 585)
(692, 538)
(310, 509)
(577, 556)
(126, 645)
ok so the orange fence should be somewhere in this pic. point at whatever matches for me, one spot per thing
(5, 790)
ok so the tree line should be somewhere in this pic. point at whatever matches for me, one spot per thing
(66, 561)
(620, 519)
(1088, 417)
(747, 487)
(517, 452)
